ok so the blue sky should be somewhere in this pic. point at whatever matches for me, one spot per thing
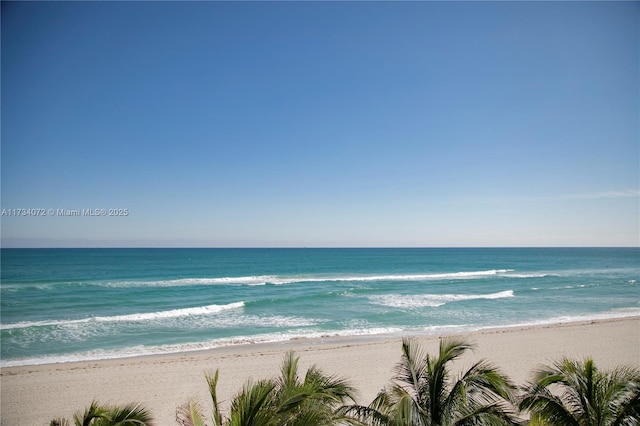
(322, 123)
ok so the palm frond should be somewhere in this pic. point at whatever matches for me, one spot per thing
(397, 406)
(212, 383)
(330, 389)
(360, 415)
(412, 367)
(453, 348)
(407, 412)
(487, 415)
(289, 370)
(485, 383)
(576, 392)
(93, 412)
(537, 398)
(481, 395)
(252, 406)
(129, 415)
(623, 396)
(190, 414)
(423, 394)
(438, 377)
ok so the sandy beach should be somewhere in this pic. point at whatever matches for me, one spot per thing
(33, 395)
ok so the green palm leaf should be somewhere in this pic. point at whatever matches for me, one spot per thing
(424, 394)
(253, 405)
(283, 401)
(577, 393)
(128, 415)
(190, 414)
(93, 414)
(212, 383)
(98, 415)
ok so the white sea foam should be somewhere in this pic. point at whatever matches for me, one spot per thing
(533, 275)
(431, 300)
(198, 346)
(246, 280)
(397, 277)
(358, 329)
(259, 280)
(147, 316)
(174, 313)
(281, 280)
(612, 314)
(260, 321)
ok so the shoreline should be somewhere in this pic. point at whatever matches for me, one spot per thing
(162, 382)
(320, 337)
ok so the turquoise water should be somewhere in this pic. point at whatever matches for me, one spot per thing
(78, 304)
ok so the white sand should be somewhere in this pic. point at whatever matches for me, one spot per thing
(33, 395)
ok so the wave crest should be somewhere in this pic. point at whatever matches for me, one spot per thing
(431, 300)
(281, 280)
(260, 280)
(147, 316)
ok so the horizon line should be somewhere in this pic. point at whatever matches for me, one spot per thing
(313, 247)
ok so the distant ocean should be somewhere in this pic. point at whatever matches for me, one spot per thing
(61, 305)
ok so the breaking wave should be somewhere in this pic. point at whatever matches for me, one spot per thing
(431, 300)
(147, 316)
(281, 280)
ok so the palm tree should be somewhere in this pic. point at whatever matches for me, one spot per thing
(283, 401)
(97, 415)
(314, 400)
(423, 393)
(577, 393)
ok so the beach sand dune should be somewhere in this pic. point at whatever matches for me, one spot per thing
(33, 395)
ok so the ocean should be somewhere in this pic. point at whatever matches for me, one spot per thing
(60, 305)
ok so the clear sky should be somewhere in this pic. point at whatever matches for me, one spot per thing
(321, 123)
